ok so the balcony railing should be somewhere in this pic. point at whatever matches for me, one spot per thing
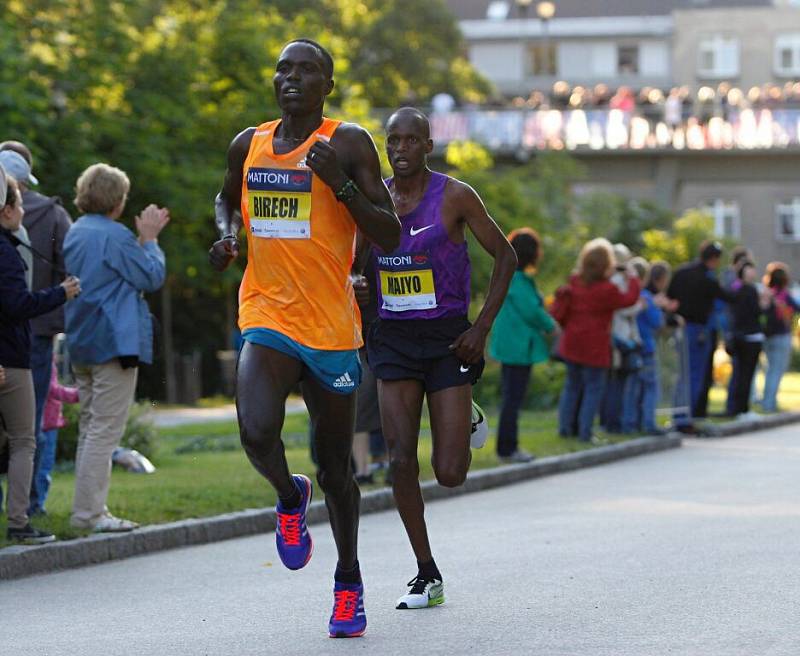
(523, 131)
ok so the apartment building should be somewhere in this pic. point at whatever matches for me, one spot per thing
(743, 167)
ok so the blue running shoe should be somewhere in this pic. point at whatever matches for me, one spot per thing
(292, 538)
(348, 619)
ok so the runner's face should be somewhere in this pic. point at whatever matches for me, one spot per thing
(407, 145)
(300, 81)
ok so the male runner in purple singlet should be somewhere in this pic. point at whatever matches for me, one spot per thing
(423, 344)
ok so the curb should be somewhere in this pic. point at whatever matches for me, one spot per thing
(20, 561)
(731, 428)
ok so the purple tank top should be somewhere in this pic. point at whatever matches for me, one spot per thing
(427, 276)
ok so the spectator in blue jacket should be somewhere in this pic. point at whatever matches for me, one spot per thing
(519, 340)
(109, 330)
(642, 389)
(17, 406)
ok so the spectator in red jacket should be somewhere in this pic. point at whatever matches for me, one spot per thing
(587, 305)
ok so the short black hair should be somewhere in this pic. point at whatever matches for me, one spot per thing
(709, 250)
(744, 264)
(416, 114)
(739, 253)
(324, 55)
(658, 271)
(527, 246)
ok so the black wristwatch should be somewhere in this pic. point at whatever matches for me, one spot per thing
(347, 192)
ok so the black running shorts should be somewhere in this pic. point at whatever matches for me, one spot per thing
(419, 349)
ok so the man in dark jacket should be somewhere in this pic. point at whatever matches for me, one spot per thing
(47, 223)
(695, 287)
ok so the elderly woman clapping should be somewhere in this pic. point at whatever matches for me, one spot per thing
(109, 329)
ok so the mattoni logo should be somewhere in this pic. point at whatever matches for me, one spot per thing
(394, 260)
(420, 259)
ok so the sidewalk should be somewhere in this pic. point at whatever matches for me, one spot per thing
(172, 417)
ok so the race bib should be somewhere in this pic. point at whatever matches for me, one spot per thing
(406, 282)
(279, 203)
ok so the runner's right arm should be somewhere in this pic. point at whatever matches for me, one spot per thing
(227, 204)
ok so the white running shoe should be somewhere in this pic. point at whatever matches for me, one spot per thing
(110, 524)
(480, 427)
(424, 593)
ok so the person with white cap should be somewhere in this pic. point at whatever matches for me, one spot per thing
(47, 223)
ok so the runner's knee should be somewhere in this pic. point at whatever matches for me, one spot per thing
(450, 475)
(336, 481)
(257, 433)
(403, 462)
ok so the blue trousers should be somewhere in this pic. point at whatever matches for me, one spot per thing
(580, 400)
(41, 368)
(641, 397)
(698, 338)
(779, 353)
(514, 384)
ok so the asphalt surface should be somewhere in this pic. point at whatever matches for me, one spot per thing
(173, 417)
(689, 551)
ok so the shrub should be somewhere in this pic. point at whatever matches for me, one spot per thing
(544, 388)
(140, 432)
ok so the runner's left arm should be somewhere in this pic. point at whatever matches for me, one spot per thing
(470, 345)
(350, 166)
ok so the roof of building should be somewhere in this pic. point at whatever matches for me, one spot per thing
(477, 9)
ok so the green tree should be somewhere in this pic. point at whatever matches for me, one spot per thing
(682, 242)
(160, 87)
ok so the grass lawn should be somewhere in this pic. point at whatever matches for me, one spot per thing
(193, 482)
(202, 471)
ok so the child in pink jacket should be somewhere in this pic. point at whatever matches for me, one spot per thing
(52, 420)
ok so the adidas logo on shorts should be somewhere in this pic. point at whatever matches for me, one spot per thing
(344, 381)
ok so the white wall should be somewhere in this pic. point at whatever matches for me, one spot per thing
(500, 62)
(582, 59)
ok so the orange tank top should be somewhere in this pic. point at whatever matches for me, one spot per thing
(301, 243)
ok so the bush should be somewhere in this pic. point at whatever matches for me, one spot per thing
(544, 388)
(140, 432)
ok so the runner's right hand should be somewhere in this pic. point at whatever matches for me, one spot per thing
(223, 252)
(72, 286)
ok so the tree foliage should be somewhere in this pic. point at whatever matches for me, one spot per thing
(681, 242)
(160, 87)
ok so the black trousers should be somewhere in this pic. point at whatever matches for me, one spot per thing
(745, 359)
(514, 384)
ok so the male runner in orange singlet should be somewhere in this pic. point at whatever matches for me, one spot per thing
(302, 186)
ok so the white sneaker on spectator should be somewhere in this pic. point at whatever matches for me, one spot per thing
(519, 456)
(748, 416)
(110, 524)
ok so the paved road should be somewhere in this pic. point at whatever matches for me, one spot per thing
(693, 551)
(184, 416)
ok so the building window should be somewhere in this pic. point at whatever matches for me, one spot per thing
(542, 58)
(627, 60)
(718, 57)
(727, 218)
(787, 220)
(787, 55)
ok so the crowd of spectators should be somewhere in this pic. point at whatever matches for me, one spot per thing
(605, 324)
(673, 106)
(100, 270)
